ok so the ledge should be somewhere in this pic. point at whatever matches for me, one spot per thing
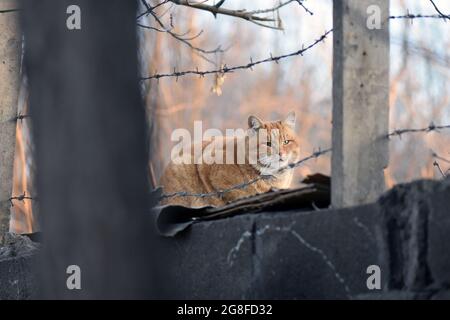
(303, 254)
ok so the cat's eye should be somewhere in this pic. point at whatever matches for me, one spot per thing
(287, 141)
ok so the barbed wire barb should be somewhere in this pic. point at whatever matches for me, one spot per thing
(240, 67)
(20, 117)
(436, 164)
(21, 197)
(431, 127)
(220, 193)
(436, 156)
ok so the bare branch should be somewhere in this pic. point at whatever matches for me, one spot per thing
(242, 13)
(181, 37)
(417, 16)
(279, 6)
(300, 2)
(445, 16)
(149, 8)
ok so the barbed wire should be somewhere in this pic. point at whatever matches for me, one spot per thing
(279, 6)
(184, 38)
(225, 69)
(251, 16)
(149, 8)
(437, 156)
(220, 193)
(408, 15)
(397, 132)
(9, 10)
(417, 16)
(436, 164)
(431, 127)
(21, 117)
(21, 197)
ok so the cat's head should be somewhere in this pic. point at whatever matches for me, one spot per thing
(277, 144)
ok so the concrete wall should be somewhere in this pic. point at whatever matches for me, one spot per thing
(307, 255)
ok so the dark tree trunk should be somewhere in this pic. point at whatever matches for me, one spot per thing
(91, 148)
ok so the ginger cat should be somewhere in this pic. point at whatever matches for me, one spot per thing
(273, 145)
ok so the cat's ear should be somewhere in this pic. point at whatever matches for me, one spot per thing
(254, 123)
(290, 119)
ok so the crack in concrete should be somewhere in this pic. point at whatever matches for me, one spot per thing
(288, 229)
(234, 251)
(324, 257)
(365, 229)
(314, 249)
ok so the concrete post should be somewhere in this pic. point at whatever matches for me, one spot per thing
(360, 100)
(10, 56)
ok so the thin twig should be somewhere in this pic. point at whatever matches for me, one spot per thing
(436, 156)
(279, 6)
(149, 8)
(181, 38)
(436, 164)
(445, 16)
(241, 13)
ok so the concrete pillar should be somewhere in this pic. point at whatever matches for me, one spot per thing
(360, 100)
(10, 57)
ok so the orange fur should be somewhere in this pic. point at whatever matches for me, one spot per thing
(205, 178)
